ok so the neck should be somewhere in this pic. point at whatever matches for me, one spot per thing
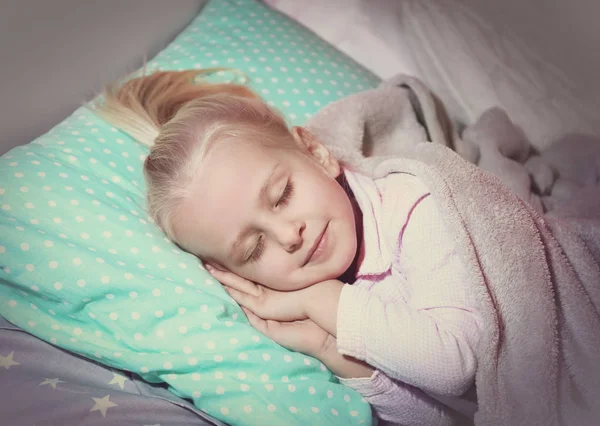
(349, 276)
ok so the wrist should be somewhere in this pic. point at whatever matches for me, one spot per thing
(321, 304)
(328, 348)
(343, 366)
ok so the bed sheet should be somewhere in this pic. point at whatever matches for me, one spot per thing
(468, 63)
(345, 25)
(42, 384)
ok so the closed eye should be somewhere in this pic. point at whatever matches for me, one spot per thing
(283, 201)
(258, 250)
(286, 195)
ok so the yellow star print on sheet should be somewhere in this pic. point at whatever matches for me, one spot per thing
(7, 361)
(103, 404)
(118, 379)
(51, 382)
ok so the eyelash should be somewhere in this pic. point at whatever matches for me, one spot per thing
(287, 194)
(283, 201)
(260, 245)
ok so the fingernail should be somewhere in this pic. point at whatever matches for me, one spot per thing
(209, 268)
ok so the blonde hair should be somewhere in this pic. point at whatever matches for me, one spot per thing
(180, 119)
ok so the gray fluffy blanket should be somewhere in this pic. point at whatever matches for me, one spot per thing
(528, 228)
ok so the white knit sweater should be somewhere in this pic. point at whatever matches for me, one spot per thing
(408, 314)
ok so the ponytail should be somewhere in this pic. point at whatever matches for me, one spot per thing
(141, 106)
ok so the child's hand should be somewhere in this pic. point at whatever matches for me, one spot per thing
(307, 337)
(301, 336)
(266, 303)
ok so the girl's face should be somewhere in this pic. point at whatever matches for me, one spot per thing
(276, 216)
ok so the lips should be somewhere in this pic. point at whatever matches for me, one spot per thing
(318, 246)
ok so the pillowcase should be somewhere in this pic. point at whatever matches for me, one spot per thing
(82, 265)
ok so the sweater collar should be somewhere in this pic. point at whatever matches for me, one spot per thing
(374, 258)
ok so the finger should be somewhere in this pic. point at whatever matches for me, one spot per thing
(256, 321)
(291, 335)
(243, 299)
(234, 281)
(251, 315)
(266, 327)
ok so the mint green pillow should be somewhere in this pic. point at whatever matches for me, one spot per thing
(83, 267)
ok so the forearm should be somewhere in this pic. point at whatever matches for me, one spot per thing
(403, 404)
(343, 366)
(392, 401)
(322, 304)
(417, 348)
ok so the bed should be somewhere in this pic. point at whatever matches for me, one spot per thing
(103, 321)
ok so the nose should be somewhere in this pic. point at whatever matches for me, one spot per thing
(289, 234)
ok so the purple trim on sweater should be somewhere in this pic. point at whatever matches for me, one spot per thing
(410, 212)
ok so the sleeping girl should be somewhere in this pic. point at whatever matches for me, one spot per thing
(361, 272)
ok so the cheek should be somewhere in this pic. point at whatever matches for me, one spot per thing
(337, 200)
(274, 267)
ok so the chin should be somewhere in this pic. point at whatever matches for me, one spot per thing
(342, 266)
(315, 280)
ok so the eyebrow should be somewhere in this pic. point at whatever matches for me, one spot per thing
(262, 194)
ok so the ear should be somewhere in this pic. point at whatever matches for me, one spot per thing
(319, 152)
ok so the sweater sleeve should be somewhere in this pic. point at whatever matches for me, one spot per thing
(429, 339)
(402, 404)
